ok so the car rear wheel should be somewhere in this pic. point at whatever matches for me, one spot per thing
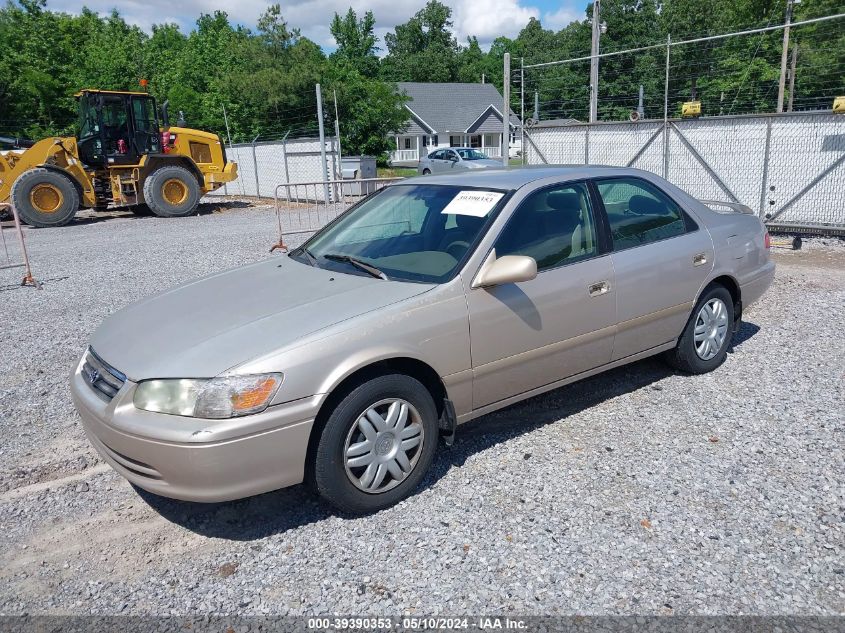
(377, 444)
(704, 343)
(45, 198)
(426, 171)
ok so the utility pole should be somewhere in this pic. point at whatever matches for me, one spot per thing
(666, 110)
(640, 106)
(521, 109)
(337, 135)
(506, 109)
(784, 54)
(594, 62)
(322, 144)
(792, 64)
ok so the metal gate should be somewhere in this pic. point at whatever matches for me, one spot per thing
(789, 168)
(304, 208)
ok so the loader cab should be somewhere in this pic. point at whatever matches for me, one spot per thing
(117, 128)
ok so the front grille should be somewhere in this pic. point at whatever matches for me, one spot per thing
(104, 379)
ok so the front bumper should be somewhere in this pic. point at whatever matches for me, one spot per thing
(194, 459)
(216, 179)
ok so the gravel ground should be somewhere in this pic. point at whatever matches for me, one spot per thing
(640, 491)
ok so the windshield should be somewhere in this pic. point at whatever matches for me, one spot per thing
(406, 232)
(471, 154)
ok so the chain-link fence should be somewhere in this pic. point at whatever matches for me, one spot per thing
(789, 168)
(263, 165)
(746, 117)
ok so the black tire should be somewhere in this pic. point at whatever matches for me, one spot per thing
(55, 192)
(181, 205)
(684, 356)
(426, 171)
(330, 476)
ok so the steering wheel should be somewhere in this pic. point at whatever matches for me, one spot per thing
(459, 246)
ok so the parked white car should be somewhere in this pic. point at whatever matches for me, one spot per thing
(453, 159)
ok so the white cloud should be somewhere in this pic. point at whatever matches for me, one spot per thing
(558, 19)
(490, 19)
(487, 20)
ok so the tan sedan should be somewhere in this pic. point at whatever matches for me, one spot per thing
(432, 302)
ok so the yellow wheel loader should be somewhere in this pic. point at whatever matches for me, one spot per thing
(122, 157)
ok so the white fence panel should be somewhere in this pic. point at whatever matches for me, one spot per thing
(265, 164)
(790, 168)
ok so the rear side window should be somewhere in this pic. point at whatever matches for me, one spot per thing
(554, 226)
(639, 213)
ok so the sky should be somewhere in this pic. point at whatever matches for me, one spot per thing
(487, 19)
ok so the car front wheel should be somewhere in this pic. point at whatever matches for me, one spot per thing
(377, 444)
(704, 342)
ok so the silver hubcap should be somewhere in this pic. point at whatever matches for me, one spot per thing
(711, 328)
(383, 446)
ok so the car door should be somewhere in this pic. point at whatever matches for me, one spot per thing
(453, 161)
(661, 258)
(527, 335)
(437, 162)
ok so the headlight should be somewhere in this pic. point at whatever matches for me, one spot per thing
(224, 397)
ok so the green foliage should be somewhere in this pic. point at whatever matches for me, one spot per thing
(264, 77)
(423, 49)
(356, 42)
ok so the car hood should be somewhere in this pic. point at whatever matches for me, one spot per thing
(207, 326)
(483, 163)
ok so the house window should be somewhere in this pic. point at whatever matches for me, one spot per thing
(475, 141)
(425, 141)
(434, 141)
(455, 141)
(407, 142)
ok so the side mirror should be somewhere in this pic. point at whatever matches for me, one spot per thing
(508, 269)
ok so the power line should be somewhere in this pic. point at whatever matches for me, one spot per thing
(690, 41)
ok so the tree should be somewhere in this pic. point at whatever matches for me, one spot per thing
(423, 49)
(369, 111)
(356, 42)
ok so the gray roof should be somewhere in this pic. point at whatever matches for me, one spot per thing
(451, 107)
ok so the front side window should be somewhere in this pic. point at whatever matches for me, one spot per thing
(639, 213)
(408, 232)
(555, 226)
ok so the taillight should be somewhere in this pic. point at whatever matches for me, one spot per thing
(767, 240)
(165, 141)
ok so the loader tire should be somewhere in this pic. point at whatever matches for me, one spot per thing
(45, 198)
(172, 192)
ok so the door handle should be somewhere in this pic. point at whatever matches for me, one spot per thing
(599, 288)
(699, 259)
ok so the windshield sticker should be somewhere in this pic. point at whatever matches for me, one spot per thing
(474, 203)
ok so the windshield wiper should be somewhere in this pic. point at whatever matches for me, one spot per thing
(375, 272)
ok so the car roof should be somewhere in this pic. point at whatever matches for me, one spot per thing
(516, 177)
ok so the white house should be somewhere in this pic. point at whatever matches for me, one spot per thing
(452, 115)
